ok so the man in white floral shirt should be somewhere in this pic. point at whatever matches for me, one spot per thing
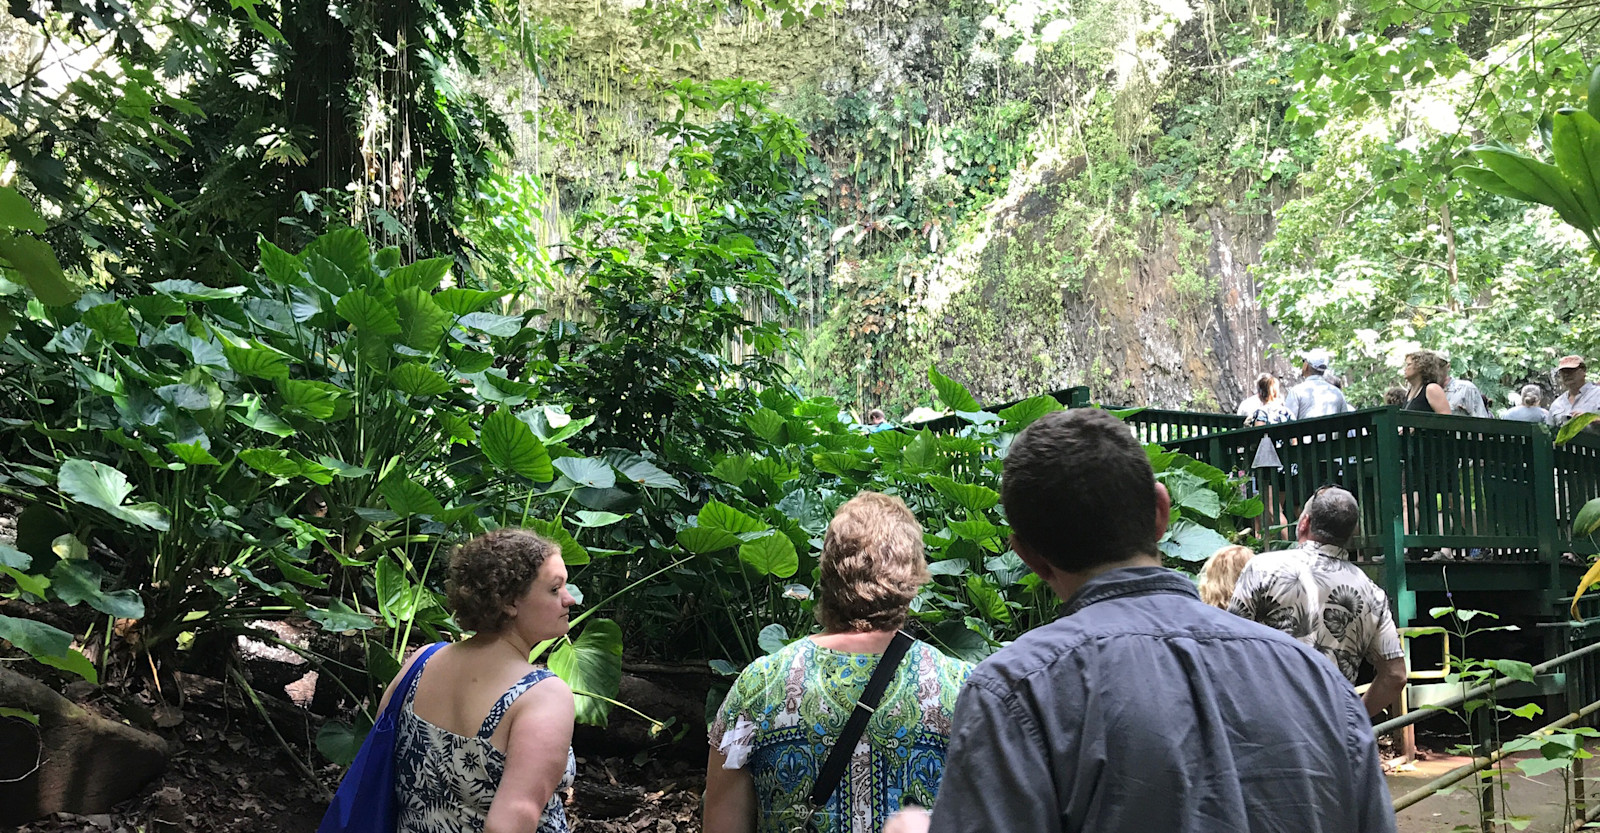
(1314, 594)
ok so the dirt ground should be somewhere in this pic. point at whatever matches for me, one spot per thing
(1540, 800)
(229, 775)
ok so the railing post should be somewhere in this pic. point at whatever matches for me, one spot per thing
(1542, 468)
(1391, 511)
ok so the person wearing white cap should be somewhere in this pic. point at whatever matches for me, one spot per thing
(1580, 395)
(1315, 396)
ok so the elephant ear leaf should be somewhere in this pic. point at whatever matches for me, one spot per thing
(1594, 92)
(1540, 180)
(1576, 142)
(1490, 181)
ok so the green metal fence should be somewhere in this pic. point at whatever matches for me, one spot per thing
(1493, 488)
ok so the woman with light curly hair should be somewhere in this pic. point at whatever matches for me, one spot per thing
(786, 710)
(483, 740)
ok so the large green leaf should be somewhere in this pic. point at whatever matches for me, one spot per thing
(771, 555)
(256, 416)
(1191, 542)
(952, 393)
(1492, 182)
(572, 553)
(36, 262)
(1191, 493)
(17, 213)
(272, 461)
(339, 741)
(77, 581)
(187, 290)
(193, 454)
(503, 326)
(587, 471)
(256, 359)
(50, 645)
(34, 638)
(279, 265)
(971, 496)
(13, 557)
(1588, 519)
(510, 445)
(425, 275)
(397, 598)
(703, 540)
(104, 488)
(417, 379)
(1573, 426)
(316, 400)
(338, 617)
(591, 665)
(371, 316)
(986, 597)
(405, 497)
(422, 322)
(638, 470)
(1576, 146)
(1024, 413)
(768, 425)
(112, 323)
(464, 301)
(1540, 180)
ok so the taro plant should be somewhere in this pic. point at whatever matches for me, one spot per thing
(304, 444)
(1568, 183)
(756, 547)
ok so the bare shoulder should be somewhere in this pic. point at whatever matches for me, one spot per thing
(550, 695)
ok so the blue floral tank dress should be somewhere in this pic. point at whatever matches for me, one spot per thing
(445, 782)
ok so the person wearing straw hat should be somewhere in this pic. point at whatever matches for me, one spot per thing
(1578, 396)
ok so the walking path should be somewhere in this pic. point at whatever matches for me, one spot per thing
(1540, 798)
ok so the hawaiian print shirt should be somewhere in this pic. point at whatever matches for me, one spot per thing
(1464, 399)
(1314, 594)
(445, 782)
(784, 711)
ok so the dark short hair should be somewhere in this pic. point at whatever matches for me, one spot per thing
(1079, 491)
(1333, 515)
(491, 572)
(876, 414)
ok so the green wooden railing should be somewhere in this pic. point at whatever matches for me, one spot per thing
(1424, 482)
(1154, 425)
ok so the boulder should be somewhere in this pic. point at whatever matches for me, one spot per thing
(73, 761)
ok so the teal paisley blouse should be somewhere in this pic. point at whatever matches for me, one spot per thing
(785, 710)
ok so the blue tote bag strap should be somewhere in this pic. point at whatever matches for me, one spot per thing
(365, 802)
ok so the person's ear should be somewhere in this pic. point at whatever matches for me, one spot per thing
(1163, 510)
(1036, 562)
(1303, 525)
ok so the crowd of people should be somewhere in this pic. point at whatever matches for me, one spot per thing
(1124, 714)
(1429, 387)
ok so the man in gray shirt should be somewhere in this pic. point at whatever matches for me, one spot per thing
(1464, 397)
(1315, 396)
(1578, 395)
(1141, 708)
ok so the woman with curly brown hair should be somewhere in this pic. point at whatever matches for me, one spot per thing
(1425, 372)
(483, 741)
(778, 725)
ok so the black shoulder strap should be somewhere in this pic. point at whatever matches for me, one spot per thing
(839, 756)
